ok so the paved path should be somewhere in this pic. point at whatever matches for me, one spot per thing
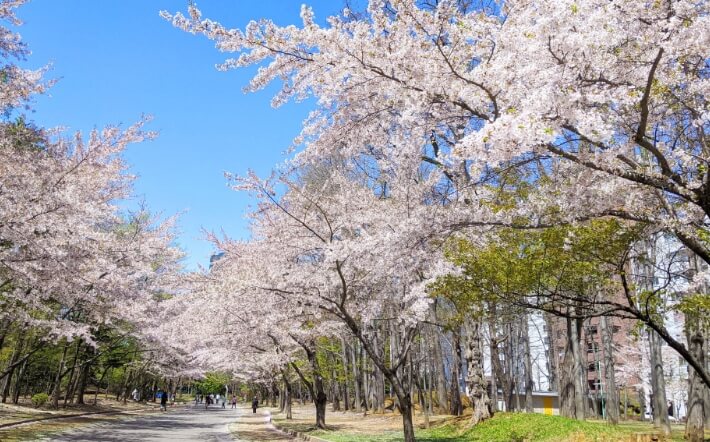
(187, 423)
(250, 426)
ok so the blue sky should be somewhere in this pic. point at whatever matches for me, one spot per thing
(117, 59)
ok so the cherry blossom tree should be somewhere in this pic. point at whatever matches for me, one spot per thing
(73, 264)
(602, 107)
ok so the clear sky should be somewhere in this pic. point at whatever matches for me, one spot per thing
(117, 59)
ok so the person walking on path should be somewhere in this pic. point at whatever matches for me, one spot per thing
(164, 401)
(234, 401)
(254, 404)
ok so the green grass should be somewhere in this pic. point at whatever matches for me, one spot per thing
(506, 427)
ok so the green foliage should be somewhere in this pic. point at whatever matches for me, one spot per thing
(213, 382)
(40, 399)
(25, 135)
(541, 267)
(696, 306)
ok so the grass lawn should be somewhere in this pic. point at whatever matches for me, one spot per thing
(505, 427)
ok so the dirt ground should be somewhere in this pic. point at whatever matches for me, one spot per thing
(304, 417)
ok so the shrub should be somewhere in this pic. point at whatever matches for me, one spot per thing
(40, 399)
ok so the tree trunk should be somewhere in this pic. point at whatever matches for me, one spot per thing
(58, 379)
(273, 392)
(552, 360)
(83, 379)
(316, 387)
(344, 358)
(706, 390)
(497, 364)
(7, 382)
(527, 362)
(475, 378)
(365, 383)
(72, 383)
(379, 390)
(405, 404)
(335, 387)
(98, 385)
(571, 399)
(439, 368)
(287, 399)
(405, 407)
(612, 396)
(456, 405)
(357, 379)
(321, 402)
(287, 394)
(695, 425)
(658, 385)
(579, 370)
(18, 382)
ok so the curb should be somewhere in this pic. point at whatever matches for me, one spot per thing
(296, 434)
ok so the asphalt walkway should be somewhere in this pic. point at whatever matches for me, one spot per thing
(187, 423)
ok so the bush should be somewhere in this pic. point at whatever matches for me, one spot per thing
(40, 399)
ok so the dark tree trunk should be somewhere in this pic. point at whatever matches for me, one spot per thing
(357, 379)
(658, 384)
(527, 362)
(612, 394)
(287, 400)
(344, 387)
(571, 394)
(475, 378)
(273, 392)
(18, 382)
(83, 378)
(579, 370)
(7, 382)
(442, 400)
(695, 425)
(405, 407)
(552, 354)
(58, 379)
(497, 364)
(71, 385)
(456, 405)
(316, 388)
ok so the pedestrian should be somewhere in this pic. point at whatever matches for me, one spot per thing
(224, 401)
(254, 404)
(164, 401)
(234, 401)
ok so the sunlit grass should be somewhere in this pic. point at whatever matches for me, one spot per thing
(506, 427)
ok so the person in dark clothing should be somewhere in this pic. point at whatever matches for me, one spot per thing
(164, 401)
(254, 404)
